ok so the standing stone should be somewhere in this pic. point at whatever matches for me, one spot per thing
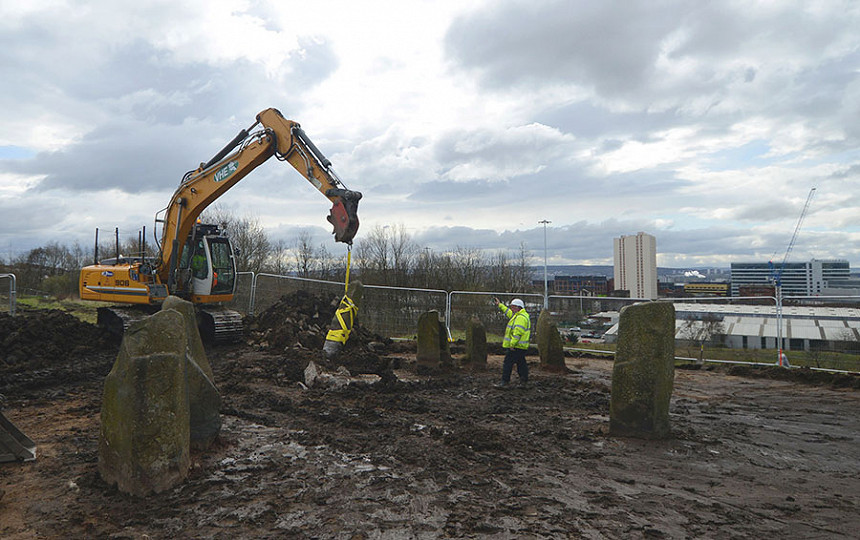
(144, 444)
(550, 345)
(476, 344)
(204, 401)
(644, 371)
(433, 349)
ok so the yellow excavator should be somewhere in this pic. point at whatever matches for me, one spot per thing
(196, 261)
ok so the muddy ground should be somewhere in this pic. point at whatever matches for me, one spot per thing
(754, 453)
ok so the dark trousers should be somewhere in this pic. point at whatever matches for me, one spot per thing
(518, 357)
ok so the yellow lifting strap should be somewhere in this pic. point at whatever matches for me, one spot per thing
(346, 311)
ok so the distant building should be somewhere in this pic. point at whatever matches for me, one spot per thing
(804, 328)
(798, 279)
(707, 289)
(581, 285)
(636, 265)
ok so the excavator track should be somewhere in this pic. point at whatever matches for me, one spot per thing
(217, 324)
(117, 319)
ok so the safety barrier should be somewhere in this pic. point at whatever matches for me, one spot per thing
(12, 292)
(395, 312)
(395, 309)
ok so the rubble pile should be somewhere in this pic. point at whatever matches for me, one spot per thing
(296, 326)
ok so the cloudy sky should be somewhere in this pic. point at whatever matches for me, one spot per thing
(704, 123)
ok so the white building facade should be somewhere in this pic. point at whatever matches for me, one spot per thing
(636, 265)
(798, 279)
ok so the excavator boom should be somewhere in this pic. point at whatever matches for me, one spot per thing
(278, 137)
(195, 260)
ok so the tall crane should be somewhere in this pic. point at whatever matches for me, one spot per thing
(776, 273)
(776, 276)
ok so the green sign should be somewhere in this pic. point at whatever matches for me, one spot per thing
(224, 172)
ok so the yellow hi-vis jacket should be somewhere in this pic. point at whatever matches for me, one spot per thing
(519, 327)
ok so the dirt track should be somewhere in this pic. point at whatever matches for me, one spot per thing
(445, 455)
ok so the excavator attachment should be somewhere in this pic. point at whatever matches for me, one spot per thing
(14, 445)
(344, 214)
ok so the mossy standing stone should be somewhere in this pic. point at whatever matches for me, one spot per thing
(433, 349)
(476, 344)
(204, 400)
(144, 443)
(644, 371)
(550, 345)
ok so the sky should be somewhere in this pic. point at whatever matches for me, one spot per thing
(466, 123)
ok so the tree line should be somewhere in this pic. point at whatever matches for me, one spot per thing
(382, 255)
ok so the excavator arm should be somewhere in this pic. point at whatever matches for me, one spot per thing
(277, 137)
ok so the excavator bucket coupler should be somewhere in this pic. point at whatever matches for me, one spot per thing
(344, 214)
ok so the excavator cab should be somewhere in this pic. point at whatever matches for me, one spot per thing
(207, 266)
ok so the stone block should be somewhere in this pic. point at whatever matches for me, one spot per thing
(644, 371)
(433, 348)
(144, 443)
(476, 344)
(204, 400)
(550, 344)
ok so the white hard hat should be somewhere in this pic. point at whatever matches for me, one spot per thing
(519, 303)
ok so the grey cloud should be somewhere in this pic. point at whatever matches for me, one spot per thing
(127, 155)
(585, 119)
(179, 121)
(612, 45)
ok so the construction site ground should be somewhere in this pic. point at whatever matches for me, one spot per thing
(433, 453)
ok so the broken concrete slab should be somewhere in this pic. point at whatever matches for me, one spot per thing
(317, 377)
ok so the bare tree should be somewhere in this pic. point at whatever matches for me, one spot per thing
(304, 254)
(248, 237)
(698, 331)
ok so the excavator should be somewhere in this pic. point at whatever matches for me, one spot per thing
(195, 260)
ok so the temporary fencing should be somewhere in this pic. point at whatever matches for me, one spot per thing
(737, 324)
(12, 292)
(395, 310)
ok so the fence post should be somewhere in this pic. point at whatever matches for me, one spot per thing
(12, 292)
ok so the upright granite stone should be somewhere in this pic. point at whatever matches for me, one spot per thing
(144, 444)
(433, 349)
(550, 345)
(644, 371)
(204, 400)
(476, 344)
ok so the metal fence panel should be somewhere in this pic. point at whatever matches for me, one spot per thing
(242, 298)
(740, 326)
(389, 311)
(463, 305)
(10, 299)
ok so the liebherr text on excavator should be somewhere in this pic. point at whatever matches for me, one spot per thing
(196, 261)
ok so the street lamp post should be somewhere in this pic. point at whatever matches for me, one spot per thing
(545, 286)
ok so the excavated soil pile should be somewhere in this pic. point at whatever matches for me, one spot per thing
(295, 328)
(36, 339)
(43, 348)
(798, 375)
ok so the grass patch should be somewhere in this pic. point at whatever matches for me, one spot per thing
(83, 310)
